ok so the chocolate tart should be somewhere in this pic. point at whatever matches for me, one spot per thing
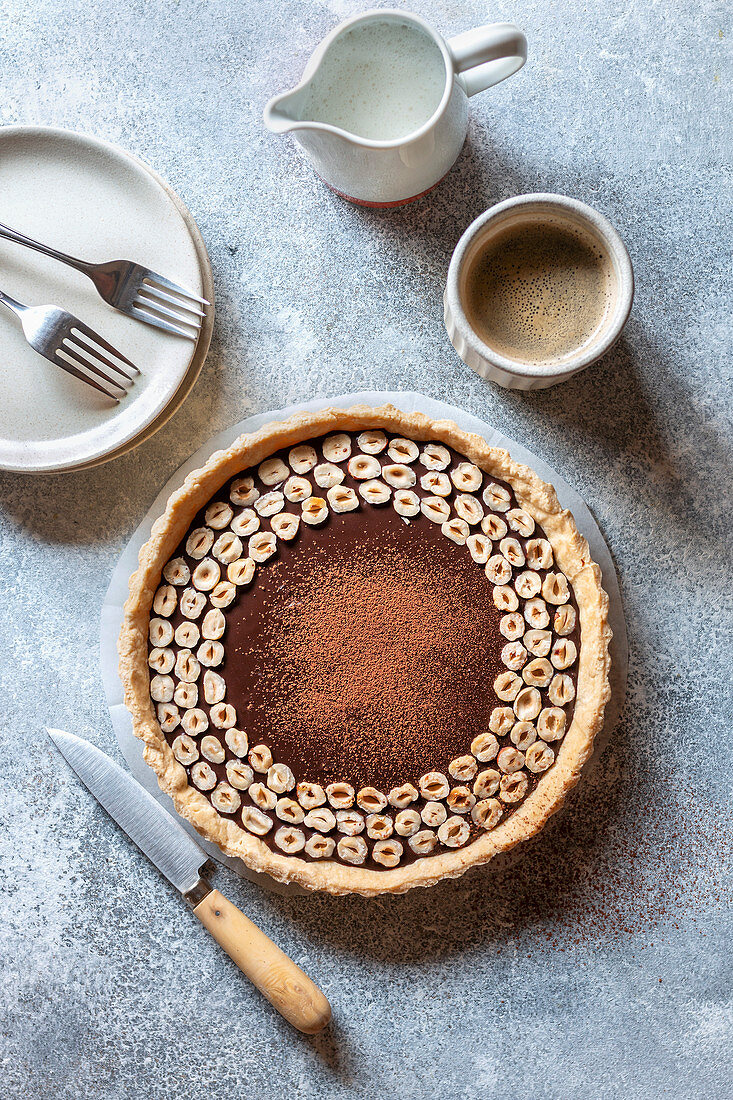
(365, 651)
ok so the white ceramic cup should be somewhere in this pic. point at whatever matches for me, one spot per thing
(515, 374)
(390, 173)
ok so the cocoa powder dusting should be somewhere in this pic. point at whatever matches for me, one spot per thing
(377, 662)
(631, 858)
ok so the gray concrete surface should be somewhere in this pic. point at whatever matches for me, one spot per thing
(599, 965)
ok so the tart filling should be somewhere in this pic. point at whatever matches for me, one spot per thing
(363, 650)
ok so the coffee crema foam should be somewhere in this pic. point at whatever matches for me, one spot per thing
(539, 292)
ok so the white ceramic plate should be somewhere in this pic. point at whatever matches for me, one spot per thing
(89, 198)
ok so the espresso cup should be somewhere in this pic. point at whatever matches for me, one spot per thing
(529, 319)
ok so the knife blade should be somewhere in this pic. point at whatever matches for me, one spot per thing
(180, 859)
(156, 833)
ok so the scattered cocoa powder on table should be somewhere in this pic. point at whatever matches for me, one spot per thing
(627, 860)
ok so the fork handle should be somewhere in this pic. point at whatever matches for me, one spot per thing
(15, 307)
(20, 238)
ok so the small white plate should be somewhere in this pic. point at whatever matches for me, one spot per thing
(91, 199)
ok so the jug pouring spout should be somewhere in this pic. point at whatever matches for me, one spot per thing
(285, 112)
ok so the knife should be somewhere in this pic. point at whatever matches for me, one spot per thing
(180, 859)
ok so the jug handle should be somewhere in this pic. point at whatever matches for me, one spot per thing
(487, 55)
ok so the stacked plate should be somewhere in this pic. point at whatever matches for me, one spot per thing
(92, 200)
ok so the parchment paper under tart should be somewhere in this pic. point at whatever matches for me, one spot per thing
(571, 555)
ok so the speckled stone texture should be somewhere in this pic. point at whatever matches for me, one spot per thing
(596, 966)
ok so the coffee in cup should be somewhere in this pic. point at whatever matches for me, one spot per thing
(539, 287)
(539, 291)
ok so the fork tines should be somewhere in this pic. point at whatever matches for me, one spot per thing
(162, 303)
(82, 354)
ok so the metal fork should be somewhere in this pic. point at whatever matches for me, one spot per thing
(132, 289)
(70, 344)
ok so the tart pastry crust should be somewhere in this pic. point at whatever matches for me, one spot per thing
(572, 557)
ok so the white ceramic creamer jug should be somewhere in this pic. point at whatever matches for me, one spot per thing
(382, 109)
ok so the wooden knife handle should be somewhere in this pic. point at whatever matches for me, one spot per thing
(276, 976)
